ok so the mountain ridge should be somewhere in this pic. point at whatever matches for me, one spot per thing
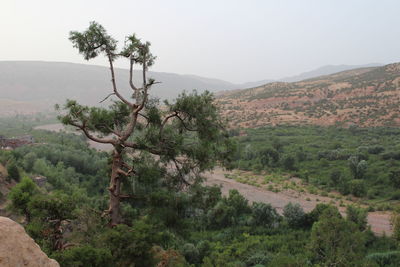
(365, 97)
(35, 86)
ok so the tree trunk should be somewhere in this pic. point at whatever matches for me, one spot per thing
(115, 189)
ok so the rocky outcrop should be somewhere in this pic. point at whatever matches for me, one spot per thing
(17, 248)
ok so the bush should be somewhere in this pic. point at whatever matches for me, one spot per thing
(220, 216)
(191, 253)
(83, 256)
(13, 171)
(131, 245)
(258, 259)
(294, 215)
(314, 215)
(288, 163)
(21, 195)
(357, 187)
(394, 177)
(335, 178)
(376, 149)
(357, 216)
(335, 241)
(264, 214)
(385, 259)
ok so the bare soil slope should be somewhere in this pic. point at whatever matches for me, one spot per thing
(365, 97)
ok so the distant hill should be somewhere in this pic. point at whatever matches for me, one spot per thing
(364, 96)
(28, 87)
(46, 83)
(326, 70)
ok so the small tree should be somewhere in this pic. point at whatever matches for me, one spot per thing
(264, 214)
(357, 167)
(20, 196)
(294, 215)
(186, 137)
(335, 241)
(395, 221)
(358, 216)
(13, 171)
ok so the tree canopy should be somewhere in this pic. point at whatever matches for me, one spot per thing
(185, 136)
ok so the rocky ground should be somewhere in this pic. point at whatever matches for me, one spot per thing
(17, 248)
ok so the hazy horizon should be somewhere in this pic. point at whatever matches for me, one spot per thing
(229, 40)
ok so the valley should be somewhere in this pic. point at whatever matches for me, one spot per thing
(278, 193)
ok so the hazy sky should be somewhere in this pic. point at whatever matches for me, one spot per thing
(237, 41)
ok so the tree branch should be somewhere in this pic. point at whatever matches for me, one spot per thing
(180, 173)
(165, 122)
(184, 124)
(91, 137)
(133, 87)
(106, 97)
(110, 129)
(114, 83)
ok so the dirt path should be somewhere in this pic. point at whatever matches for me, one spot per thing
(379, 221)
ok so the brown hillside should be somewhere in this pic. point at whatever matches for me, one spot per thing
(365, 97)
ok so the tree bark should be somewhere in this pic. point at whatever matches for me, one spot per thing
(115, 188)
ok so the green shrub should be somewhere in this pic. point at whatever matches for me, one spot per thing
(357, 187)
(83, 256)
(294, 215)
(264, 214)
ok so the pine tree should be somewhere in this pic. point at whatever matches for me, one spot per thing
(185, 137)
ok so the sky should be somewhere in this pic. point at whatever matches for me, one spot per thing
(237, 41)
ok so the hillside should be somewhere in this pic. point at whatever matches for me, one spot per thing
(326, 70)
(365, 96)
(28, 86)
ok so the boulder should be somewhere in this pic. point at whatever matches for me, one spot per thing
(17, 248)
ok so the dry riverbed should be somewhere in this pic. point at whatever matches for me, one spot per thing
(378, 220)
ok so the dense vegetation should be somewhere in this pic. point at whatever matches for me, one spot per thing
(364, 162)
(196, 226)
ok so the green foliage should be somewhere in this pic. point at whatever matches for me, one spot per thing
(93, 41)
(49, 211)
(327, 157)
(357, 188)
(191, 253)
(131, 245)
(83, 256)
(357, 167)
(222, 215)
(289, 163)
(53, 206)
(385, 259)
(294, 215)
(394, 177)
(316, 213)
(21, 195)
(335, 241)
(13, 171)
(264, 214)
(395, 221)
(230, 211)
(357, 216)
(29, 160)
